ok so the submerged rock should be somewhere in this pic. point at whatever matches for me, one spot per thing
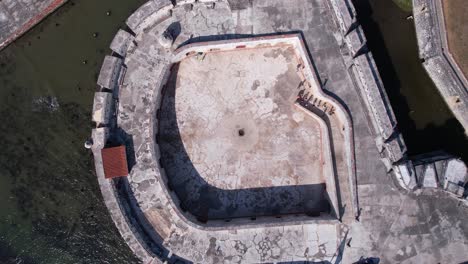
(46, 103)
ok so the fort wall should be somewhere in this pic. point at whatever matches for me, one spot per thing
(132, 225)
(367, 80)
(437, 59)
(17, 17)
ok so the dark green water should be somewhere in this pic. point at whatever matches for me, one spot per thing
(51, 210)
(424, 119)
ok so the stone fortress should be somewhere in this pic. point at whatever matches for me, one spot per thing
(255, 132)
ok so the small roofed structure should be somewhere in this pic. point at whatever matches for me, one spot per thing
(114, 161)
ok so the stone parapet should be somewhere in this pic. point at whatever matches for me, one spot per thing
(110, 72)
(115, 192)
(368, 82)
(121, 42)
(152, 9)
(100, 136)
(427, 32)
(405, 175)
(184, 2)
(376, 96)
(396, 148)
(434, 170)
(437, 59)
(102, 108)
(118, 209)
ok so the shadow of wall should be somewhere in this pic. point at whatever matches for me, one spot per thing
(207, 202)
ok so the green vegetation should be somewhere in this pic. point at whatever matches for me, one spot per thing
(405, 5)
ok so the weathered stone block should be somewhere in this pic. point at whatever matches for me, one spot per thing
(146, 10)
(121, 42)
(430, 177)
(110, 70)
(99, 136)
(102, 108)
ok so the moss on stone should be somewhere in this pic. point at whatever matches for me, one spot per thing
(405, 5)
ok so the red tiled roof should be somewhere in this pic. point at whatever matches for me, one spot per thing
(114, 161)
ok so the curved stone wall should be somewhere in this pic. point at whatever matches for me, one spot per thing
(149, 218)
(148, 129)
(147, 174)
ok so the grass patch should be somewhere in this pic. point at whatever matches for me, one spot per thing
(405, 5)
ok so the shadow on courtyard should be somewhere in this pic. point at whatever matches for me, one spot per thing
(207, 202)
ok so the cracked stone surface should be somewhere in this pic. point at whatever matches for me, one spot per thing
(232, 142)
(398, 227)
